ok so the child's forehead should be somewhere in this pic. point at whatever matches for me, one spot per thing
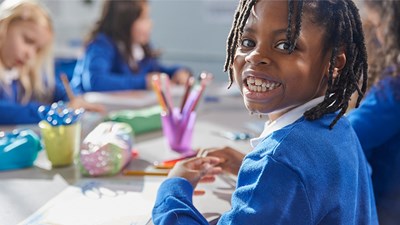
(267, 8)
(276, 13)
(35, 14)
(40, 34)
(270, 12)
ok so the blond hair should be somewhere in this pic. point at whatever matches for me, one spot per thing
(37, 75)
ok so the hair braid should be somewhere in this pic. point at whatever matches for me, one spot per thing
(351, 37)
(299, 14)
(289, 28)
(231, 37)
(241, 16)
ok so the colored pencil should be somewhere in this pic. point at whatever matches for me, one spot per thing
(143, 173)
(205, 80)
(188, 86)
(155, 81)
(166, 88)
(199, 192)
(168, 164)
(67, 87)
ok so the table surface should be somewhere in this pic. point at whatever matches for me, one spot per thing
(24, 191)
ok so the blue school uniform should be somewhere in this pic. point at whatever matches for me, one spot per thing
(13, 112)
(303, 173)
(102, 68)
(377, 124)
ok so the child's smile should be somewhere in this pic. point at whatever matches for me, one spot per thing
(256, 84)
(258, 87)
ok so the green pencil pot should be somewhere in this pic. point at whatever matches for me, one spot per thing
(61, 143)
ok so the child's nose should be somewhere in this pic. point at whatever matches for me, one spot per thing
(256, 57)
(30, 53)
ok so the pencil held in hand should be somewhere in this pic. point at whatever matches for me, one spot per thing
(67, 87)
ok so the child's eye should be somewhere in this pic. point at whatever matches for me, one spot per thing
(283, 46)
(29, 40)
(248, 43)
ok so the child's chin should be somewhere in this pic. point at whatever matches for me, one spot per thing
(255, 110)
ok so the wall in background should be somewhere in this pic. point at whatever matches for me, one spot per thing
(72, 21)
(193, 32)
(188, 32)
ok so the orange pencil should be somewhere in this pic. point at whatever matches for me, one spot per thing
(67, 87)
(168, 164)
(199, 192)
(155, 81)
(143, 173)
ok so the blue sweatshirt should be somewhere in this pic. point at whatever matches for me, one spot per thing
(13, 112)
(102, 68)
(303, 173)
(377, 124)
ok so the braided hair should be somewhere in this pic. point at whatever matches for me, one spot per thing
(343, 30)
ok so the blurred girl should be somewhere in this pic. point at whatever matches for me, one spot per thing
(26, 66)
(118, 55)
(377, 120)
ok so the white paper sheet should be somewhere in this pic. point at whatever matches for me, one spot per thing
(22, 196)
(98, 203)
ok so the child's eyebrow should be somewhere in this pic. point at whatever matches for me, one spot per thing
(275, 32)
(280, 31)
(249, 30)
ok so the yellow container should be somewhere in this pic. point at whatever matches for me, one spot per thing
(62, 143)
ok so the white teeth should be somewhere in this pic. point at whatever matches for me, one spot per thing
(260, 85)
(250, 80)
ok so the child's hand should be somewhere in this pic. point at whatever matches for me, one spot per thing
(196, 169)
(79, 102)
(230, 159)
(180, 77)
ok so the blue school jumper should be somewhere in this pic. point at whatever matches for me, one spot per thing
(303, 173)
(377, 124)
(13, 112)
(102, 68)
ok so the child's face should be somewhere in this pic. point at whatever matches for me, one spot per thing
(141, 28)
(271, 80)
(24, 39)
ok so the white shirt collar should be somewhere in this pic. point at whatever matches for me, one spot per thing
(137, 52)
(10, 76)
(286, 119)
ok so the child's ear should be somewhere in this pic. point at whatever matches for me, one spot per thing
(339, 64)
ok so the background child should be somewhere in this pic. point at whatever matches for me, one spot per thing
(118, 55)
(299, 62)
(26, 65)
(377, 121)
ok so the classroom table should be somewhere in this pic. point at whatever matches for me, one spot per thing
(24, 191)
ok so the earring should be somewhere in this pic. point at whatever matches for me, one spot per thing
(335, 72)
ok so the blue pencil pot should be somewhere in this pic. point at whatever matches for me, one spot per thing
(18, 149)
